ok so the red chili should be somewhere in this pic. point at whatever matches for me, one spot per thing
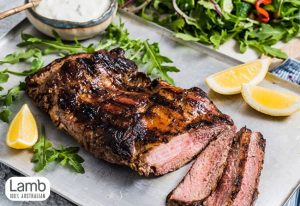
(263, 14)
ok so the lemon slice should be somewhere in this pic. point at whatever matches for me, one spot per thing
(22, 132)
(230, 81)
(269, 101)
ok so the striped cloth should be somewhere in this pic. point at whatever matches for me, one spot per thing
(290, 70)
(295, 199)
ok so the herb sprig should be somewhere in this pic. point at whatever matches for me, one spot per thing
(215, 22)
(54, 46)
(45, 153)
(7, 99)
(141, 51)
(34, 57)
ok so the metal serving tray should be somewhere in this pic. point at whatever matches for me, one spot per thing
(110, 185)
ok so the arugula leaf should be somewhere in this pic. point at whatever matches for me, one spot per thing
(226, 5)
(69, 157)
(45, 153)
(19, 56)
(36, 65)
(242, 9)
(32, 54)
(141, 51)
(273, 52)
(267, 33)
(54, 46)
(157, 63)
(40, 148)
(35, 55)
(4, 115)
(12, 94)
(7, 99)
(3, 77)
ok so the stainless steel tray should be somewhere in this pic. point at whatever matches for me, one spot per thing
(106, 184)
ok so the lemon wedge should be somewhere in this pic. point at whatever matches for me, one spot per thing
(23, 132)
(269, 101)
(230, 81)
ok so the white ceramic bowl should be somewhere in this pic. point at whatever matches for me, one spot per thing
(69, 30)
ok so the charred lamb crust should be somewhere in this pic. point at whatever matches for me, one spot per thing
(262, 145)
(245, 136)
(114, 111)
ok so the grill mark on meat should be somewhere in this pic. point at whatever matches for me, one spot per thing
(88, 65)
(204, 174)
(243, 154)
(251, 171)
(116, 112)
(229, 184)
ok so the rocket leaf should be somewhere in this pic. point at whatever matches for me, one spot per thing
(45, 153)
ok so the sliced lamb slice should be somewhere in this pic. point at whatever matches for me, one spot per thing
(204, 174)
(180, 150)
(238, 185)
(228, 185)
(251, 171)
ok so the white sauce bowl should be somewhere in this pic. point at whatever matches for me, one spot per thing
(69, 30)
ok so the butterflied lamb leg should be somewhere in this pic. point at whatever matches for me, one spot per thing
(122, 116)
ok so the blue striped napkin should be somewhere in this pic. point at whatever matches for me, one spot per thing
(290, 70)
(295, 200)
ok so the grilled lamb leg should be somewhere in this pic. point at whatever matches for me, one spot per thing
(204, 174)
(120, 115)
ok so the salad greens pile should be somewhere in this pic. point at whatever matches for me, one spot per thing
(144, 53)
(214, 22)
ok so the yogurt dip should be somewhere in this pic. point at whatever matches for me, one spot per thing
(73, 10)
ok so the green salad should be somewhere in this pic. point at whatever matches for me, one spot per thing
(256, 24)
